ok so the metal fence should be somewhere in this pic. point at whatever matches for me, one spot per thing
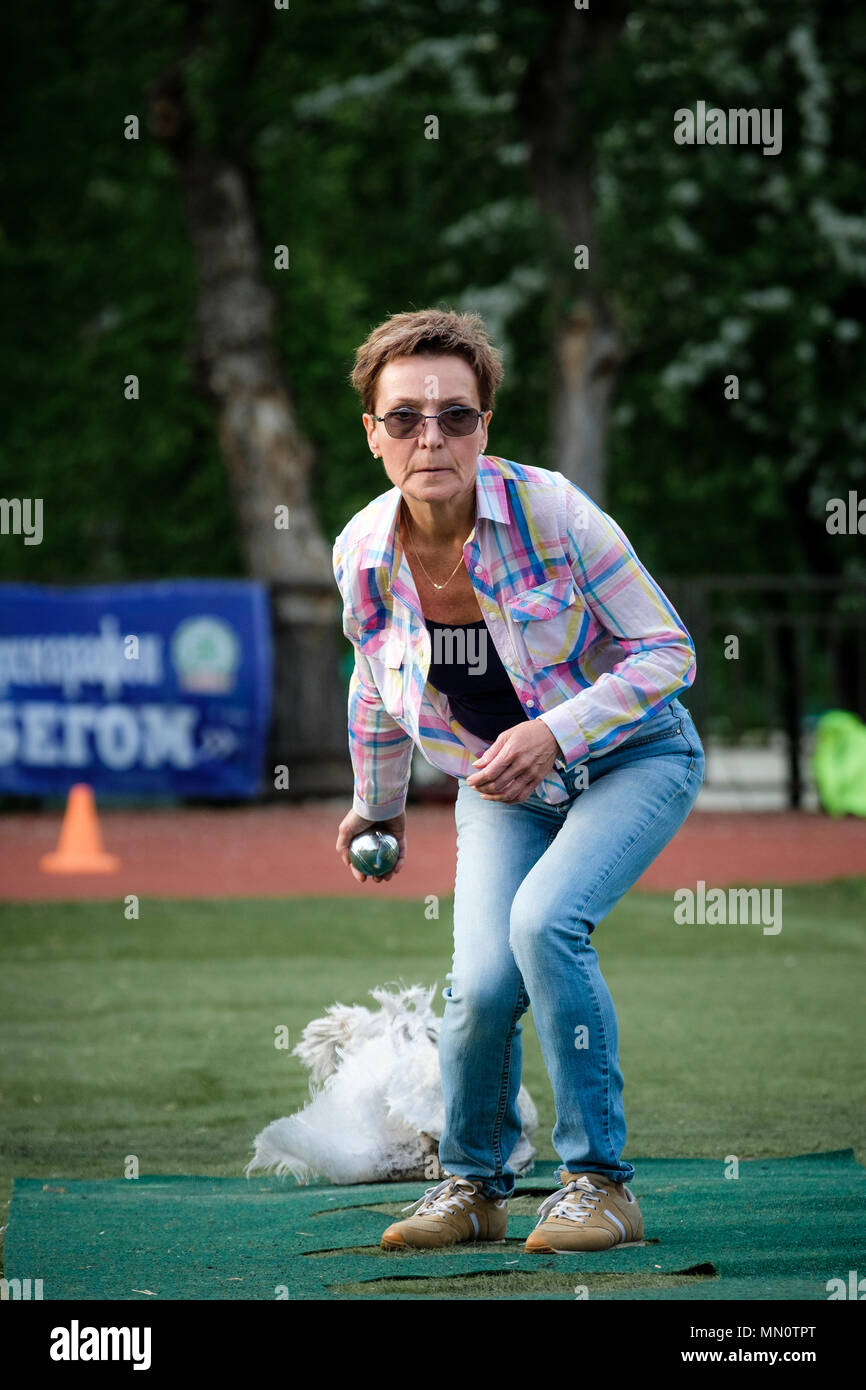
(773, 654)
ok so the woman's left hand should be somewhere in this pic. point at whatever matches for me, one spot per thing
(514, 764)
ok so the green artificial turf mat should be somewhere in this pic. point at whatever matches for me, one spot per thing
(155, 1039)
(778, 1231)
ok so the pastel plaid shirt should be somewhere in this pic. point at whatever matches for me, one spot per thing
(589, 641)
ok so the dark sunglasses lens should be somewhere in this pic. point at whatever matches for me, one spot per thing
(402, 424)
(458, 420)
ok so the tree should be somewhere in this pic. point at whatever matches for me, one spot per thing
(268, 460)
(563, 101)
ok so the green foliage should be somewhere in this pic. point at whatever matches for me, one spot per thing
(718, 260)
(99, 285)
(729, 261)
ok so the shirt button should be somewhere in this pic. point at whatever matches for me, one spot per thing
(531, 704)
(479, 569)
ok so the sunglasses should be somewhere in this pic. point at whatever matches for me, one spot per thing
(456, 421)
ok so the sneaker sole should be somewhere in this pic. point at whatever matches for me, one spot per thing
(581, 1249)
(393, 1244)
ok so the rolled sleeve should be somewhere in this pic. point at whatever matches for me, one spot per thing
(567, 729)
(380, 750)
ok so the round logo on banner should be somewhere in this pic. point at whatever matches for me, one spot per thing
(205, 652)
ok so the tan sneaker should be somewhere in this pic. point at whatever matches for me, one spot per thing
(448, 1214)
(592, 1213)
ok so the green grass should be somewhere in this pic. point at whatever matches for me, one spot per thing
(156, 1037)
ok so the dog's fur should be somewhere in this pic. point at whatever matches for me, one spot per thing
(376, 1110)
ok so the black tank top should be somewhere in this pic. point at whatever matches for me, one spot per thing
(466, 667)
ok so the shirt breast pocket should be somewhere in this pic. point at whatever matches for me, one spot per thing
(552, 620)
(385, 651)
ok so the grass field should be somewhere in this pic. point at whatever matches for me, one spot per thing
(156, 1037)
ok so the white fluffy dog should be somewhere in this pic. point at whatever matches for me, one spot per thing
(376, 1111)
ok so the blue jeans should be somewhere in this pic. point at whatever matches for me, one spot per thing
(533, 881)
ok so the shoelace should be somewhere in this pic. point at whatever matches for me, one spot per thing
(576, 1202)
(444, 1199)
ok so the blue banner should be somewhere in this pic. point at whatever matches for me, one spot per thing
(160, 688)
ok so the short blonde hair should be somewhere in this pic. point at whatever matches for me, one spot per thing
(425, 332)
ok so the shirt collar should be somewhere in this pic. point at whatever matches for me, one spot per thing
(491, 501)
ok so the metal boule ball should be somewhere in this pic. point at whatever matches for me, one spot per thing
(374, 852)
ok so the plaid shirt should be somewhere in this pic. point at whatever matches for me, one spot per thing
(589, 641)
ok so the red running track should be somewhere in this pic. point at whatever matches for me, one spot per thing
(273, 851)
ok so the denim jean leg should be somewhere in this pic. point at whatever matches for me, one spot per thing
(480, 1042)
(635, 802)
(577, 1028)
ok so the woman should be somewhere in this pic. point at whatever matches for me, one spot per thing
(503, 624)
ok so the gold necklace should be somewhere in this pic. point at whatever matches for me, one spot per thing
(421, 562)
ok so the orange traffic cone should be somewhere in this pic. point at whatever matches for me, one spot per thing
(79, 850)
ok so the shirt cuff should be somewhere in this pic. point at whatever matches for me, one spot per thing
(384, 811)
(568, 732)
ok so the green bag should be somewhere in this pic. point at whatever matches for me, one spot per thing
(839, 763)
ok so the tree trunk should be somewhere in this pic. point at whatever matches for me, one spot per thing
(587, 347)
(588, 353)
(268, 461)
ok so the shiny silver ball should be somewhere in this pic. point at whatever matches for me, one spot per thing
(374, 852)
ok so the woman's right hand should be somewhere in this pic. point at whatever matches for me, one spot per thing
(353, 824)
